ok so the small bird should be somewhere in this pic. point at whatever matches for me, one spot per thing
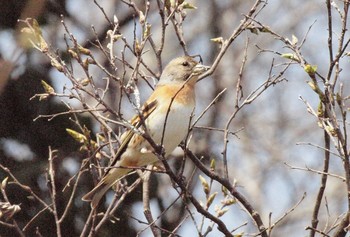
(166, 112)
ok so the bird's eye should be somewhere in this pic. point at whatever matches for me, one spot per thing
(185, 64)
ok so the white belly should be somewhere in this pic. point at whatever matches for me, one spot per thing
(176, 126)
(176, 129)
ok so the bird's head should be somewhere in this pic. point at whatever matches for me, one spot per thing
(182, 69)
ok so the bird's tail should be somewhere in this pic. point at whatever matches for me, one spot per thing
(95, 195)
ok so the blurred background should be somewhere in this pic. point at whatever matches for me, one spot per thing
(273, 131)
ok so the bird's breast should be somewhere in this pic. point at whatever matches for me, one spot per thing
(171, 123)
(167, 125)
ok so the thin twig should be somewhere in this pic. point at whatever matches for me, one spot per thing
(146, 202)
(53, 193)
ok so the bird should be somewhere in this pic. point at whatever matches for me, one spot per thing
(165, 117)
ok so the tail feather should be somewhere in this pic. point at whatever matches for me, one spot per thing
(95, 195)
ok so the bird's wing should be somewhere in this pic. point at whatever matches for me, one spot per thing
(139, 119)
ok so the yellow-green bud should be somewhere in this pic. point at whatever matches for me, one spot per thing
(204, 184)
(48, 89)
(211, 199)
(77, 136)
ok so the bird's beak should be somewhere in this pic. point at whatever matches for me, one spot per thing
(199, 69)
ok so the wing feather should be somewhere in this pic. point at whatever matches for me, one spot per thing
(146, 110)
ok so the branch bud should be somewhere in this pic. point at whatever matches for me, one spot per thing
(142, 18)
(4, 183)
(48, 89)
(77, 136)
(57, 65)
(211, 199)
(204, 184)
